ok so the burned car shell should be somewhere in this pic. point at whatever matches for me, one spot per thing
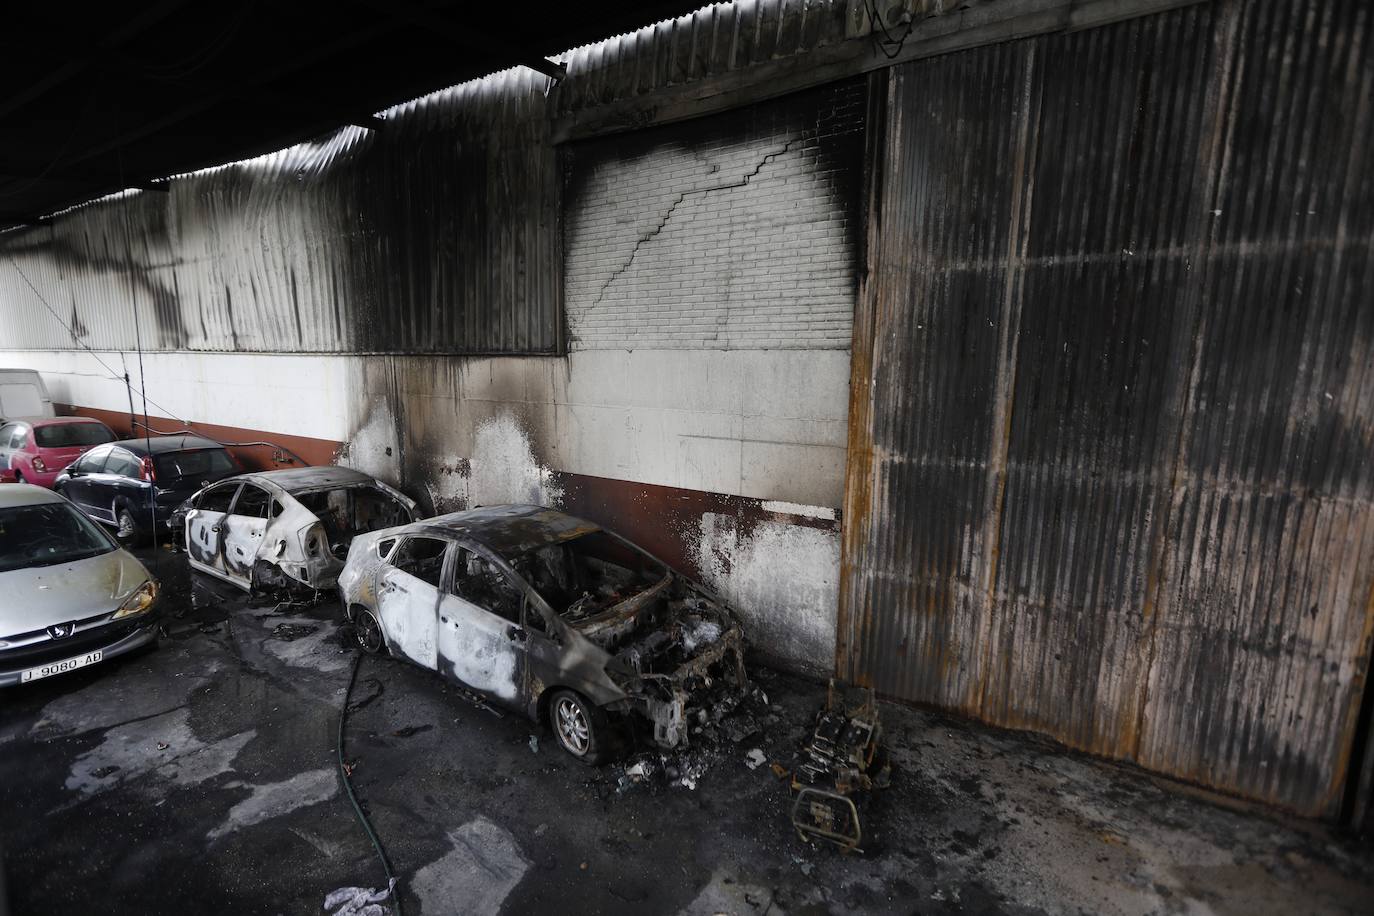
(607, 658)
(284, 543)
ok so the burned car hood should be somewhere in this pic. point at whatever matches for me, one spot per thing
(670, 626)
(40, 596)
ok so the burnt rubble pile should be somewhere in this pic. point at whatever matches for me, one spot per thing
(725, 724)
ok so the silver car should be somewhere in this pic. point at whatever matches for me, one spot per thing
(550, 615)
(286, 528)
(70, 596)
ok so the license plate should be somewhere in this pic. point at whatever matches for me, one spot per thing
(62, 667)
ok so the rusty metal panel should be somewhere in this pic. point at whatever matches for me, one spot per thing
(436, 234)
(1265, 614)
(943, 207)
(1102, 295)
(1118, 394)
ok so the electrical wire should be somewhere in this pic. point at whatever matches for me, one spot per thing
(352, 797)
(114, 376)
(188, 431)
(887, 41)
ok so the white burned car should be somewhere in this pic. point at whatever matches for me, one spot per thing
(283, 528)
(550, 615)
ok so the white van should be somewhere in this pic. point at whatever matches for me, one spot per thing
(23, 394)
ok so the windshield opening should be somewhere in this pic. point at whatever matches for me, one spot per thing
(71, 435)
(584, 576)
(203, 463)
(48, 534)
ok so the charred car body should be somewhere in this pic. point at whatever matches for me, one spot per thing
(289, 528)
(550, 615)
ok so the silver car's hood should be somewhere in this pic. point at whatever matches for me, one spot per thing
(41, 596)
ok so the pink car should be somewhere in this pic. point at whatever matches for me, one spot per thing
(36, 449)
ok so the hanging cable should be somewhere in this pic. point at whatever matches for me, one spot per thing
(188, 431)
(114, 376)
(887, 44)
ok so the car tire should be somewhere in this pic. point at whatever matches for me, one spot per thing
(579, 727)
(18, 476)
(126, 526)
(368, 632)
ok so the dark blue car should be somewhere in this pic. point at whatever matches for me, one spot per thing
(136, 484)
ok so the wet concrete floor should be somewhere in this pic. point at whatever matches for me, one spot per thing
(200, 777)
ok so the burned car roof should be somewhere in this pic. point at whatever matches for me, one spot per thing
(294, 480)
(510, 531)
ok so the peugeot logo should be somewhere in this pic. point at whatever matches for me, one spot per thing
(61, 630)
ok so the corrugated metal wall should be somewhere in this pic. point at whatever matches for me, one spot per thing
(1114, 394)
(436, 234)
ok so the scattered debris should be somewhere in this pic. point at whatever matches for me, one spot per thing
(292, 631)
(716, 732)
(358, 901)
(410, 730)
(534, 744)
(163, 745)
(842, 761)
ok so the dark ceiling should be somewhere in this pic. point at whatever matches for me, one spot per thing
(94, 100)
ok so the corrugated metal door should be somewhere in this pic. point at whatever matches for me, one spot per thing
(1113, 398)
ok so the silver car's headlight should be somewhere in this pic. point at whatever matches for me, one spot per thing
(141, 600)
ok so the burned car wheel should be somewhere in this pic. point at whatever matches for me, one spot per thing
(579, 726)
(369, 632)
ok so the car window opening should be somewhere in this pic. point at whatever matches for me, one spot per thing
(346, 512)
(422, 558)
(479, 581)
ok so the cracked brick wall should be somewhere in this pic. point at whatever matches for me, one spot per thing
(732, 232)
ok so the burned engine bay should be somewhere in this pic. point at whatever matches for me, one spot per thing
(672, 646)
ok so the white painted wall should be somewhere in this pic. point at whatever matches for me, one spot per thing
(763, 424)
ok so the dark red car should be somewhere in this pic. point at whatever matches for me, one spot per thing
(36, 449)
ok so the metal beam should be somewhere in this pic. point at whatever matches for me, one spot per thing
(981, 24)
(464, 35)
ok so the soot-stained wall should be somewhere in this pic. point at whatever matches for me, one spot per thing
(722, 451)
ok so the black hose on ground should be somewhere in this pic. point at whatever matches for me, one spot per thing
(348, 787)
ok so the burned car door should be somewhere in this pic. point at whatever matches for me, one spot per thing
(204, 524)
(241, 532)
(481, 636)
(408, 597)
